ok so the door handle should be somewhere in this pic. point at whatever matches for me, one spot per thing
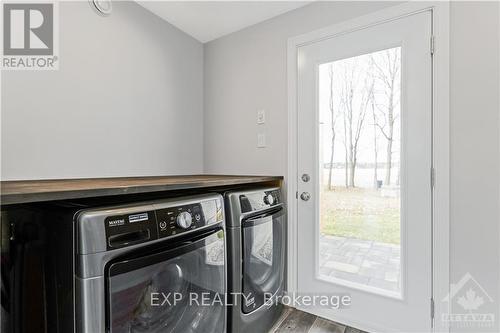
(305, 196)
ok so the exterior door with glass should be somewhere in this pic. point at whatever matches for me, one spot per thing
(364, 166)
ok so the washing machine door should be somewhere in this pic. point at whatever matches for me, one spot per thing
(263, 258)
(178, 289)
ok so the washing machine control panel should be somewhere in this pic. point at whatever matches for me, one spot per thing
(175, 220)
(160, 220)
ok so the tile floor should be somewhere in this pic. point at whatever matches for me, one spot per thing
(361, 261)
(295, 321)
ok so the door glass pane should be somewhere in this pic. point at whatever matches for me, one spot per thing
(167, 296)
(263, 258)
(360, 188)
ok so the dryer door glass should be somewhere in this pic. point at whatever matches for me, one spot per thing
(180, 289)
(263, 259)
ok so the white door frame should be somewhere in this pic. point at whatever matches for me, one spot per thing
(440, 140)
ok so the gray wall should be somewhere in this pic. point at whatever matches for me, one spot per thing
(246, 71)
(127, 100)
(474, 104)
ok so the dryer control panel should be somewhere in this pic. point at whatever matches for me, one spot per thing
(259, 200)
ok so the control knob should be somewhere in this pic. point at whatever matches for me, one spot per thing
(269, 199)
(184, 220)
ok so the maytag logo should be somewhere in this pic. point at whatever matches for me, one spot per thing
(29, 36)
(115, 223)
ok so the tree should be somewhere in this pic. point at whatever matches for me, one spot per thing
(354, 117)
(334, 116)
(346, 158)
(375, 139)
(387, 71)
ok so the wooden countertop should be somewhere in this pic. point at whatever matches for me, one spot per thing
(15, 192)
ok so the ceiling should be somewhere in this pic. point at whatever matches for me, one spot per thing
(209, 20)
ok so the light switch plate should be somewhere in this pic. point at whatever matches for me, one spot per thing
(261, 140)
(261, 116)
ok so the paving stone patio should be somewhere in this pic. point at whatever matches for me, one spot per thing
(361, 261)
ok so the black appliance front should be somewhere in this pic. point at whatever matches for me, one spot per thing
(263, 258)
(174, 289)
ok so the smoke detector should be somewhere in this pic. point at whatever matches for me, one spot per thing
(102, 7)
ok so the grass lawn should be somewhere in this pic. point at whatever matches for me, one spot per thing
(360, 213)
